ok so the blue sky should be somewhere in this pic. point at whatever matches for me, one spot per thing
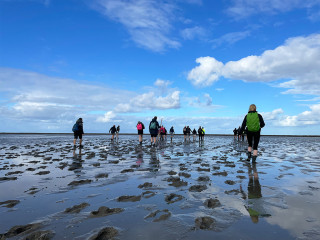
(189, 62)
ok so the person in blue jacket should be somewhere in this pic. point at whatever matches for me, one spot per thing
(153, 129)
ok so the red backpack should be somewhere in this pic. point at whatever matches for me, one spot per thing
(139, 126)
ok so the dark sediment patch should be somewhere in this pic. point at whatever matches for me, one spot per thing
(224, 173)
(197, 188)
(205, 223)
(43, 173)
(199, 169)
(17, 230)
(102, 175)
(203, 179)
(9, 203)
(176, 182)
(30, 169)
(164, 215)
(145, 185)
(230, 182)
(80, 182)
(148, 194)
(105, 234)
(40, 235)
(127, 170)
(12, 173)
(172, 173)
(77, 208)
(105, 211)
(8, 178)
(212, 203)
(233, 191)
(129, 198)
(186, 175)
(171, 198)
(241, 177)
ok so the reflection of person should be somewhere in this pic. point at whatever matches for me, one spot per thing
(194, 132)
(113, 130)
(254, 123)
(78, 132)
(254, 199)
(76, 164)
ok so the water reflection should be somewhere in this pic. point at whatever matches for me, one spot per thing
(154, 161)
(254, 200)
(76, 164)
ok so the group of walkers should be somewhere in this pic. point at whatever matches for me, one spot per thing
(251, 126)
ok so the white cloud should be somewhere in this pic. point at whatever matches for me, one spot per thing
(107, 117)
(298, 59)
(149, 101)
(194, 32)
(208, 99)
(278, 117)
(246, 8)
(148, 22)
(206, 73)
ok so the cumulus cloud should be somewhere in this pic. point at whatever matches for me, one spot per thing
(147, 22)
(278, 117)
(297, 60)
(107, 117)
(150, 101)
(246, 8)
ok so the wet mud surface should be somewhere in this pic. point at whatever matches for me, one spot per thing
(176, 190)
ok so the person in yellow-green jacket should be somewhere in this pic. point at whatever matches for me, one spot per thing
(254, 122)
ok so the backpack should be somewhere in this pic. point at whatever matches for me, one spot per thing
(162, 130)
(153, 125)
(253, 122)
(75, 127)
(139, 126)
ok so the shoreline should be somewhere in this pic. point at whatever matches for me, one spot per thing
(129, 134)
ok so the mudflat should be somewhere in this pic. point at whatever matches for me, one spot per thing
(175, 190)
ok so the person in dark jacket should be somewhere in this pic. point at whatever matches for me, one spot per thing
(113, 130)
(254, 122)
(153, 129)
(78, 132)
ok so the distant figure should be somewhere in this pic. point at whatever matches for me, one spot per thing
(117, 132)
(200, 133)
(235, 133)
(185, 133)
(171, 132)
(78, 132)
(254, 123)
(194, 133)
(113, 130)
(162, 133)
(239, 133)
(140, 127)
(153, 129)
(203, 133)
(188, 133)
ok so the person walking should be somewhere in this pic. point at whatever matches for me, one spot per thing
(254, 122)
(78, 132)
(153, 129)
(113, 130)
(235, 133)
(171, 132)
(117, 132)
(140, 127)
(200, 133)
(194, 132)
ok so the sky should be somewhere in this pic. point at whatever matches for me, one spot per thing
(188, 62)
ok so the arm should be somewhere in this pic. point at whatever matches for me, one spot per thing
(262, 124)
(244, 124)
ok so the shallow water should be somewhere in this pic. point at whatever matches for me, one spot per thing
(278, 197)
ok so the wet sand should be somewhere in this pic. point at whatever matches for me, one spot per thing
(121, 190)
